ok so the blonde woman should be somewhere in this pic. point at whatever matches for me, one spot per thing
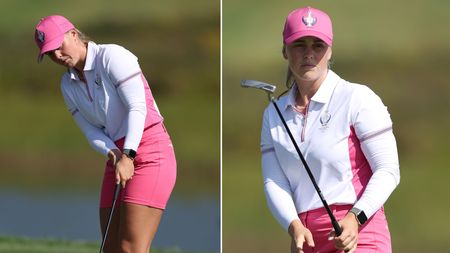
(111, 102)
(345, 134)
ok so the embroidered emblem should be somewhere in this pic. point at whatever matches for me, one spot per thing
(40, 36)
(98, 80)
(324, 119)
(309, 20)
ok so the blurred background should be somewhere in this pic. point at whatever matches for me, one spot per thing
(400, 50)
(50, 177)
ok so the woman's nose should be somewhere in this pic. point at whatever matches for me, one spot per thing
(308, 53)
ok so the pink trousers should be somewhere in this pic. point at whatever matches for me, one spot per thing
(154, 172)
(373, 237)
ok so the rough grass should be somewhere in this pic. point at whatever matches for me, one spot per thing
(27, 245)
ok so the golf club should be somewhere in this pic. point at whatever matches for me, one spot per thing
(116, 195)
(270, 89)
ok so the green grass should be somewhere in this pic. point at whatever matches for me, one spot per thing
(27, 245)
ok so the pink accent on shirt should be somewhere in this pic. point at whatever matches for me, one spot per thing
(153, 116)
(360, 167)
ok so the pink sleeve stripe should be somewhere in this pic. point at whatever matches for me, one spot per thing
(128, 78)
(267, 150)
(373, 134)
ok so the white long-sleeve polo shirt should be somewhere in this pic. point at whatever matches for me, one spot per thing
(347, 140)
(114, 102)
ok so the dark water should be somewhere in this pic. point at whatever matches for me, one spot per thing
(188, 224)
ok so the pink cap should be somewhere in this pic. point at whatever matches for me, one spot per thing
(49, 33)
(308, 21)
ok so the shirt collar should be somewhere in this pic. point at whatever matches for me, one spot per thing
(90, 57)
(92, 49)
(322, 95)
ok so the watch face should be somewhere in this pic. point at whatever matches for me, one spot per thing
(130, 153)
(362, 217)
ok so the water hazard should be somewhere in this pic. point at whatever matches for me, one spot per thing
(191, 224)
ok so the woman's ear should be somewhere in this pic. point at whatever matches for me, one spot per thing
(73, 33)
(284, 52)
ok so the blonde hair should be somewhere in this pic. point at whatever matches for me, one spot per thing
(83, 37)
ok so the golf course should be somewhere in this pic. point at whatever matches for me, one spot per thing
(44, 152)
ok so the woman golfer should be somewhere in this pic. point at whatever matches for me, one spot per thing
(109, 98)
(345, 134)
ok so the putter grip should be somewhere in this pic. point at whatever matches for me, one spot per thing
(337, 228)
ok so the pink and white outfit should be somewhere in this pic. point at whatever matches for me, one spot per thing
(115, 109)
(347, 140)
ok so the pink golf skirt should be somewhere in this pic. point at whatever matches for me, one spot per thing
(373, 237)
(154, 172)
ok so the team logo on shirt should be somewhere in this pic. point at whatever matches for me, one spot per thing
(324, 119)
(98, 80)
(309, 20)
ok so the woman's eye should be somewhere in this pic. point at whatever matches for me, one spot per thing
(319, 45)
(299, 45)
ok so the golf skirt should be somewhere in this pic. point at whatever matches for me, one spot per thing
(154, 172)
(373, 237)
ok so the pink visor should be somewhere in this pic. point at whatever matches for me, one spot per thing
(49, 34)
(308, 21)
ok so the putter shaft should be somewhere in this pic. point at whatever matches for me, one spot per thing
(116, 195)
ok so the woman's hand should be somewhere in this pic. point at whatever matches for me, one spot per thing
(124, 170)
(114, 155)
(299, 235)
(348, 240)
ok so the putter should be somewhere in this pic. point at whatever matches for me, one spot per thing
(269, 88)
(116, 195)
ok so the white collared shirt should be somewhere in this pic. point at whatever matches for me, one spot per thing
(346, 138)
(115, 101)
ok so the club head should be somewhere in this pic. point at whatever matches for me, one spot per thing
(259, 85)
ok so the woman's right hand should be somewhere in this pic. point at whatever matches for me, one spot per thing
(299, 235)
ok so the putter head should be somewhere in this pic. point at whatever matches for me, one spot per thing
(269, 88)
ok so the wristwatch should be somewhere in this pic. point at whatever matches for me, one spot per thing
(360, 215)
(130, 153)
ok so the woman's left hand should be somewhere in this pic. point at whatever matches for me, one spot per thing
(348, 240)
(124, 170)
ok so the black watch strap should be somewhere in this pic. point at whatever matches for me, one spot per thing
(360, 215)
(130, 153)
